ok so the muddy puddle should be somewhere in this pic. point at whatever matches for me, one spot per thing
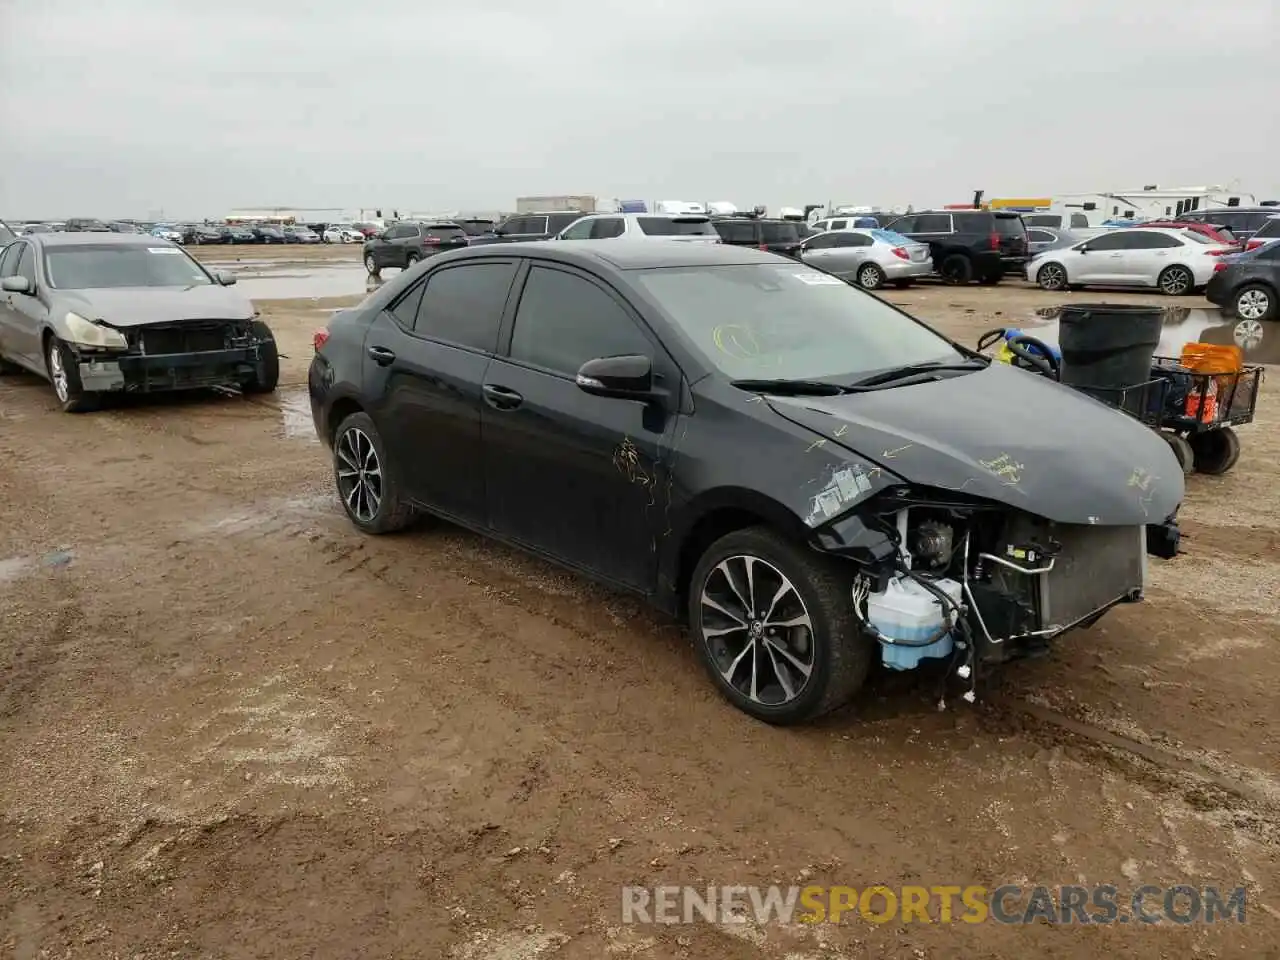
(295, 415)
(1259, 341)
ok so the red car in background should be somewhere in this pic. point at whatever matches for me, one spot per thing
(1213, 231)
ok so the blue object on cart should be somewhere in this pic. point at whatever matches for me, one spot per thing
(1005, 355)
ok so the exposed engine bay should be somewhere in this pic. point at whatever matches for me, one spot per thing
(977, 584)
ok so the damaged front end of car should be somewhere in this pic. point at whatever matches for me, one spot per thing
(942, 576)
(179, 355)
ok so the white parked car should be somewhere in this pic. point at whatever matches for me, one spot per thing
(689, 227)
(343, 233)
(1175, 261)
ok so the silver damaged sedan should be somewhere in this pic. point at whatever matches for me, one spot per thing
(868, 257)
(100, 313)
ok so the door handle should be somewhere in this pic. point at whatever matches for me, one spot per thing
(501, 398)
(382, 356)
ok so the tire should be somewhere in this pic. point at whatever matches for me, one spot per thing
(1176, 281)
(64, 376)
(371, 265)
(355, 437)
(1182, 452)
(956, 269)
(1254, 301)
(410, 260)
(870, 277)
(270, 376)
(1052, 277)
(1216, 451)
(838, 652)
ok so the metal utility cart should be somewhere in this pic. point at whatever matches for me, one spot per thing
(1194, 411)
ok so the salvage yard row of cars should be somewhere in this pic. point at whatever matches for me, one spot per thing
(959, 246)
(202, 233)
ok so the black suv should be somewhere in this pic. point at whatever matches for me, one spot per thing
(405, 242)
(776, 236)
(1243, 222)
(968, 244)
(535, 226)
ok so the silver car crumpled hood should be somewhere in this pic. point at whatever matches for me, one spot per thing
(136, 306)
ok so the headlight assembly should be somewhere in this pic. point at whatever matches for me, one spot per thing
(85, 333)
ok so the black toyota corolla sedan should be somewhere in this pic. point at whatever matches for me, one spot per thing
(813, 478)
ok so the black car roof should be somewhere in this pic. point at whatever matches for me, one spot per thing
(622, 254)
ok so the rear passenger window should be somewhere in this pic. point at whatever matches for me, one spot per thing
(606, 228)
(464, 304)
(406, 309)
(563, 321)
(736, 231)
(933, 223)
(839, 224)
(1079, 221)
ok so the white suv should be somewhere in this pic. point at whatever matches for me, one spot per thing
(689, 227)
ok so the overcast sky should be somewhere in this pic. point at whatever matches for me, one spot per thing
(132, 107)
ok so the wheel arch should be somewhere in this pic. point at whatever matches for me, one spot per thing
(341, 408)
(711, 516)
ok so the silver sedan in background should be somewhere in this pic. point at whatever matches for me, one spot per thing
(869, 258)
(1040, 239)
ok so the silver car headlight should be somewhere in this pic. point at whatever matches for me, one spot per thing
(88, 334)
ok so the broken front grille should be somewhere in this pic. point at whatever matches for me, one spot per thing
(193, 336)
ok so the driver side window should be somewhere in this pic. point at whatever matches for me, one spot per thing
(579, 231)
(9, 259)
(606, 228)
(1108, 241)
(26, 266)
(823, 241)
(564, 320)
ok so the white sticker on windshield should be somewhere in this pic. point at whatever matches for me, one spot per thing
(163, 250)
(819, 279)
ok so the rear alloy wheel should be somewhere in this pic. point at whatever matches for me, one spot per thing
(64, 374)
(870, 277)
(371, 265)
(1254, 302)
(1182, 452)
(956, 269)
(1216, 451)
(367, 484)
(1176, 281)
(1052, 277)
(411, 260)
(773, 624)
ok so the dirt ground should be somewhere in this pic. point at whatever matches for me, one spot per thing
(231, 726)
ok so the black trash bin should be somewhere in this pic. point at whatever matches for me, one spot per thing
(1107, 349)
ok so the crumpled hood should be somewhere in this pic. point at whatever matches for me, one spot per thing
(1009, 436)
(134, 306)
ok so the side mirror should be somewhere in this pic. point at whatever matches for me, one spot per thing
(23, 285)
(226, 278)
(624, 378)
(1084, 249)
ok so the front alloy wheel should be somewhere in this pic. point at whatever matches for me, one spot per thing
(64, 374)
(1051, 277)
(757, 630)
(773, 624)
(371, 265)
(1253, 303)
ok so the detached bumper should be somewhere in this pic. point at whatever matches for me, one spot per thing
(173, 371)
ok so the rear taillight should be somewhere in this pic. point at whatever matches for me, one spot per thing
(1253, 245)
(1219, 267)
(995, 241)
(900, 253)
(431, 240)
(1219, 253)
(764, 246)
(319, 339)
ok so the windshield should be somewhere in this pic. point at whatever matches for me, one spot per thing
(446, 233)
(677, 226)
(769, 320)
(1010, 226)
(476, 228)
(779, 233)
(1269, 229)
(84, 267)
(888, 236)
